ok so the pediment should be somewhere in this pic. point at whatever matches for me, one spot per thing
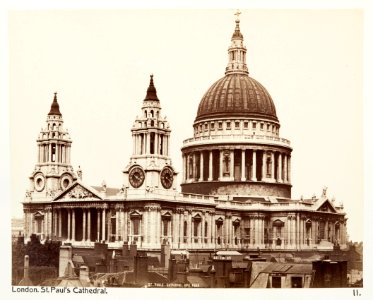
(326, 207)
(38, 214)
(135, 214)
(78, 192)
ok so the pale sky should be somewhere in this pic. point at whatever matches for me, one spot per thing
(99, 62)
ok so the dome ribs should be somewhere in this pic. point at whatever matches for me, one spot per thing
(236, 95)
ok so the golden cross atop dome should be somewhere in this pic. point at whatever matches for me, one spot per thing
(237, 14)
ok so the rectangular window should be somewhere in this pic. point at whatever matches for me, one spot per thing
(254, 125)
(228, 125)
(195, 228)
(268, 127)
(237, 125)
(212, 126)
(245, 124)
(261, 126)
(206, 127)
(220, 125)
(165, 227)
(135, 223)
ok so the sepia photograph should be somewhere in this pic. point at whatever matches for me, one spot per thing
(186, 148)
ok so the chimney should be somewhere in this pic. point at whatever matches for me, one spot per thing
(125, 251)
(64, 259)
(26, 279)
(84, 274)
(165, 255)
(26, 267)
(212, 276)
(133, 249)
(141, 268)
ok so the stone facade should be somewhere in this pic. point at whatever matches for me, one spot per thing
(236, 185)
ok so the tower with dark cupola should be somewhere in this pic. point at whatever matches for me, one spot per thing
(150, 167)
(53, 171)
(236, 148)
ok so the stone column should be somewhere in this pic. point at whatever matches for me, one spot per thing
(210, 166)
(84, 224)
(231, 166)
(147, 143)
(194, 166)
(253, 173)
(98, 224)
(221, 165)
(89, 224)
(297, 230)
(252, 232)
(116, 224)
(155, 143)
(243, 165)
(279, 177)
(201, 166)
(213, 228)
(60, 222)
(289, 169)
(68, 223)
(256, 230)
(73, 224)
(185, 171)
(273, 166)
(103, 224)
(264, 169)
(125, 226)
(285, 168)
(203, 231)
(54, 218)
(190, 230)
(293, 231)
(209, 236)
(122, 224)
(288, 231)
(133, 144)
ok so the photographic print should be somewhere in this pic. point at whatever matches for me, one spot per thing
(186, 148)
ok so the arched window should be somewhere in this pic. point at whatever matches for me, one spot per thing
(152, 113)
(145, 114)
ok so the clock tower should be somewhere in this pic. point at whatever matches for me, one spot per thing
(150, 167)
(53, 171)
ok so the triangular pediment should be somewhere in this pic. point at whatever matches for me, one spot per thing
(326, 206)
(78, 192)
(38, 214)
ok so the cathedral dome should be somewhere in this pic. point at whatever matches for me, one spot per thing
(236, 95)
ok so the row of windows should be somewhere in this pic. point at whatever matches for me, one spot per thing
(235, 125)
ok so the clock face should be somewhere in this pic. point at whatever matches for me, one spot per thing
(136, 177)
(167, 177)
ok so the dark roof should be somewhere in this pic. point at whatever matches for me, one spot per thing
(236, 95)
(237, 33)
(290, 268)
(151, 93)
(55, 108)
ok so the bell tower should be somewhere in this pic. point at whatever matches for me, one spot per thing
(53, 171)
(150, 165)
